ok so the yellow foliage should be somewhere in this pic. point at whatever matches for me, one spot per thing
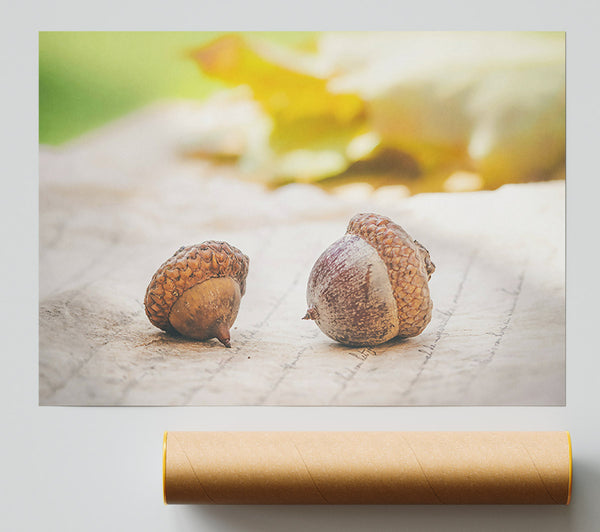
(305, 114)
(489, 103)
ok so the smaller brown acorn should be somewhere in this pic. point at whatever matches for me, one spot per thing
(197, 292)
(371, 285)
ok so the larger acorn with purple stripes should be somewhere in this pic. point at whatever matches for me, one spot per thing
(371, 285)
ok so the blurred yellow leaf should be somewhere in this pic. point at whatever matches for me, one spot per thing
(305, 115)
(488, 103)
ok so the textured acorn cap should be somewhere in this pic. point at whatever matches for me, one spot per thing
(188, 267)
(409, 268)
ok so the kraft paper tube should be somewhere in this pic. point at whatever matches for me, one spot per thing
(367, 467)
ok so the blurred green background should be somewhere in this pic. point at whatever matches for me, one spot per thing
(89, 78)
(434, 111)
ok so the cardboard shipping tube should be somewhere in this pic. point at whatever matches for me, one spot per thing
(367, 467)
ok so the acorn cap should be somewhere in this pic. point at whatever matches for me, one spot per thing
(408, 264)
(188, 267)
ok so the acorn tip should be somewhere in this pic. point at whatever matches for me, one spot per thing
(311, 314)
(223, 335)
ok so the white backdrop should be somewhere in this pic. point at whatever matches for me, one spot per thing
(99, 469)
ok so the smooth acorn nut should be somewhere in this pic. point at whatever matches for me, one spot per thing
(197, 292)
(371, 285)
